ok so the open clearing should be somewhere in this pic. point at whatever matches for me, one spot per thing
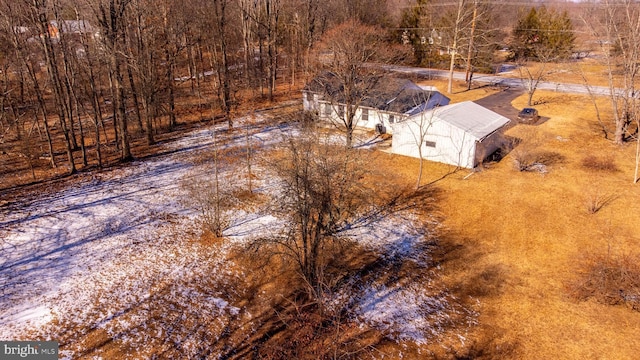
(111, 263)
(90, 262)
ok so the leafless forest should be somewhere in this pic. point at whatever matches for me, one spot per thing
(82, 80)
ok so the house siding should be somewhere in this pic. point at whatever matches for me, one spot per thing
(375, 116)
(452, 145)
(314, 102)
(462, 134)
(307, 101)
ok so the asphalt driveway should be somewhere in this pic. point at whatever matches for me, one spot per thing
(501, 103)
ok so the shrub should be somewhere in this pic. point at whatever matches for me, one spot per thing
(529, 154)
(593, 162)
(595, 201)
(527, 159)
(609, 279)
(211, 200)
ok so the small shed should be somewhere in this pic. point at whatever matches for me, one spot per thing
(461, 134)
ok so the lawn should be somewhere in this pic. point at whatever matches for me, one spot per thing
(518, 240)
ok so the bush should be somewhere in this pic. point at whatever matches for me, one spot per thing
(609, 279)
(529, 154)
(210, 200)
(526, 159)
(595, 201)
(593, 162)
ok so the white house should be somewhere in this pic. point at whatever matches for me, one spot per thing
(461, 134)
(382, 101)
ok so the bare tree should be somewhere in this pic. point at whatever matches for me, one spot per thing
(25, 56)
(616, 25)
(268, 30)
(425, 122)
(532, 74)
(211, 195)
(350, 46)
(321, 192)
(111, 17)
(453, 51)
(248, 14)
(222, 61)
(38, 14)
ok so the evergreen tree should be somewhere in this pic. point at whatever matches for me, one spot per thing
(527, 35)
(543, 31)
(412, 32)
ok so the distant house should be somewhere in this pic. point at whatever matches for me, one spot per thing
(70, 27)
(73, 28)
(461, 134)
(384, 101)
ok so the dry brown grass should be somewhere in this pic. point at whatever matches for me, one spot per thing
(606, 163)
(460, 92)
(590, 70)
(515, 237)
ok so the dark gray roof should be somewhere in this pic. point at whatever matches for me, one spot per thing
(383, 93)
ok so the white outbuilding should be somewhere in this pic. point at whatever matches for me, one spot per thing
(461, 134)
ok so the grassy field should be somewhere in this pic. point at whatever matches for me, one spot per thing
(517, 241)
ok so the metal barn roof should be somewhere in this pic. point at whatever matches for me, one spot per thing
(470, 117)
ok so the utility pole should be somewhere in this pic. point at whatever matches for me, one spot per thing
(453, 50)
(469, 73)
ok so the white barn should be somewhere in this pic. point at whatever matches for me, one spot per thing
(386, 101)
(461, 134)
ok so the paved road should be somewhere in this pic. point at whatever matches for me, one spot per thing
(499, 80)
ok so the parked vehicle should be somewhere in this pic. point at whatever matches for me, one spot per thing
(528, 115)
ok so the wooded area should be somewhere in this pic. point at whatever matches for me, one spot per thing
(81, 80)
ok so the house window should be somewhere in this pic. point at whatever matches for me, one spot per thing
(392, 119)
(365, 114)
(341, 112)
(327, 109)
(431, 144)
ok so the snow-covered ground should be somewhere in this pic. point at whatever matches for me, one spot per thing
(106, 254)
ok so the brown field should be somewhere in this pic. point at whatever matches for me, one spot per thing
(577, 72)
(518, 240)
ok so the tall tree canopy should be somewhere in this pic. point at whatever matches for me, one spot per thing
(543, 31)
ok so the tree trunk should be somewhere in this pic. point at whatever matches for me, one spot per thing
(134, 96)
(95, 101)
(171, 85)
(469, 72)
(120, 105)
(42, 107)
(114, 108)
(57, 85)
(637, 165)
